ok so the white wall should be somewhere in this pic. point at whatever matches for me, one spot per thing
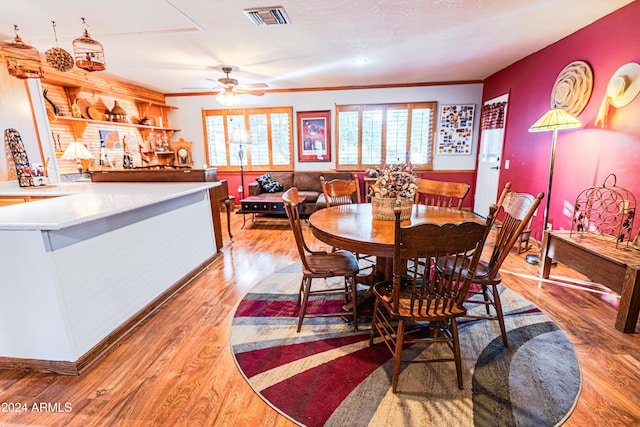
(188, 116)
(16, 113)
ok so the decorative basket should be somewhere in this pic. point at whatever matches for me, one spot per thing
(382, 208)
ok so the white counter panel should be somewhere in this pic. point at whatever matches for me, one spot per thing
(124, 268)
(32, 318)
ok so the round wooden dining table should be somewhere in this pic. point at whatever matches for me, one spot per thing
(352, 227)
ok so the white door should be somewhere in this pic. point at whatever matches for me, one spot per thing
(489, 155)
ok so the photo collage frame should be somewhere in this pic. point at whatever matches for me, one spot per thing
(456, 130)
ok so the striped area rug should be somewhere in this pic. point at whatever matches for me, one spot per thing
(328, 375)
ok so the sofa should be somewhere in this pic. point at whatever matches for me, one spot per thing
(307, 183)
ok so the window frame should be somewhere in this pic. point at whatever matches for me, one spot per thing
(247, 112)
(409, 106)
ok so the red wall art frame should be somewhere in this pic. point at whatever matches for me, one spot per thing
(314, 136)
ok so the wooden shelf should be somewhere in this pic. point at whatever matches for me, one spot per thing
(78, 125)
(143, 106)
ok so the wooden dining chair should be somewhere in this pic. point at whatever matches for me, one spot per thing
(430, 295)
(518, 209)
(441, 193)
(345, 192)
(340, 191)
(503, 195)
(321, 265)
(523, 239)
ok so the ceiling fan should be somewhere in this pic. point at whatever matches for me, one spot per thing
(231, 86)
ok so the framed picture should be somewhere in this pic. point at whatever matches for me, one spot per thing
(314, 136)
(182, 151)
(456, 130)
(111, 139)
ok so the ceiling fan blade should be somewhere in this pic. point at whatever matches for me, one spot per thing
(256, 85)
(248, 91)
(204, 89)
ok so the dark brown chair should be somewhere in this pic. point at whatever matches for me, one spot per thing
(321, 265)
(518, 210)
(340, 191)
(441, 193)
(431, 295)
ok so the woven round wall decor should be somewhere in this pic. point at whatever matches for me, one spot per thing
(572, 88)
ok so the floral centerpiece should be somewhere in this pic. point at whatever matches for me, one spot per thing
(395, 186)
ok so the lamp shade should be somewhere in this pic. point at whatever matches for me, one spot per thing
(239, 136)
(75, 151)
(556, 118)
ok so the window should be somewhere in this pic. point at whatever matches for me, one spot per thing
(373, 134)
(270, 132)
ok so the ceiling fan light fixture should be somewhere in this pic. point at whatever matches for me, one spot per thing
(228, 99)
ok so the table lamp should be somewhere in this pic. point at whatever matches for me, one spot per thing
(76, 151)
(241, 137)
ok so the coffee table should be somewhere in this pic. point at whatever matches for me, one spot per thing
(269, 205)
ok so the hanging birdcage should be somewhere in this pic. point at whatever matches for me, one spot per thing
(607, 210)
(88, 53)
(57, 57)
(23, 61)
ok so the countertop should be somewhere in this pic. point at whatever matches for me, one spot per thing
(75, 203)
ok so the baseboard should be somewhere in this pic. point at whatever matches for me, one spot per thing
(111, 340)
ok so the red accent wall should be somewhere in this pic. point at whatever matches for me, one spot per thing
(584, 156)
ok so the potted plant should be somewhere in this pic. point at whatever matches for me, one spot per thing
(395, 186)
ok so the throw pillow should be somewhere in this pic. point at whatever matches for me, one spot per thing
(268, 184)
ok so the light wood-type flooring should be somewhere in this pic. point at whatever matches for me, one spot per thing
(177, 369)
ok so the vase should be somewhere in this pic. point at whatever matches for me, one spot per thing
(382, 208)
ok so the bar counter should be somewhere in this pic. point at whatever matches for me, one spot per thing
(87, 262)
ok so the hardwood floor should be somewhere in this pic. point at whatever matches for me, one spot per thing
(177, 369)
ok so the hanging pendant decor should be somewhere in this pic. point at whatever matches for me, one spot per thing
(57, 57)
(88, 53)
(23, 61)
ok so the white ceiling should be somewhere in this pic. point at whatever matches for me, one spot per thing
(175, 46)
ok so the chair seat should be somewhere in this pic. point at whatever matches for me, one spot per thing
(482, 273)
(382, 291)
(339, 263)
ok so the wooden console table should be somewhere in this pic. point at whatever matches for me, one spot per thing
(600, 260)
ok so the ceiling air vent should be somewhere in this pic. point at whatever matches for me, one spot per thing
(264, 16)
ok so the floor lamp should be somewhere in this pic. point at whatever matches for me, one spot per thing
(240, 136)
(554, 119)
